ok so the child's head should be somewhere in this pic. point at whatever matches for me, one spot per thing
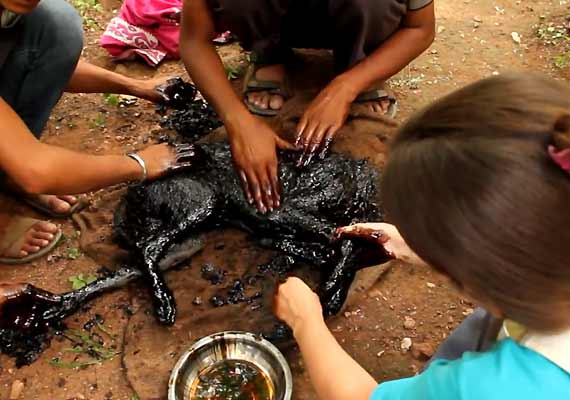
(473, 190)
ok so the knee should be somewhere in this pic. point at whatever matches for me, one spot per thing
(58, 25)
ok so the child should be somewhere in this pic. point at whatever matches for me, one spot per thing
(371, 40)
(478, 186)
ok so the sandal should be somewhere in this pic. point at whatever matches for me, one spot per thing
(38, 206)
(252, 85)
(15, 237)
(379, 94)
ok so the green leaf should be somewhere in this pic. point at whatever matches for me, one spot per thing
(56, 362)
(79, 281)
(111, 99)
(73, 253)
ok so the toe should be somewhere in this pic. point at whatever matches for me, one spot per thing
(68, 199)
(264, 102)
(30, 249)
(42, 235)
(275, 102)
(46, 227)
(41, 243)
(58, 205)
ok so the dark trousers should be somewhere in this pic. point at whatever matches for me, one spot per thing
(477, 333)
(41, 63)
(351, 28)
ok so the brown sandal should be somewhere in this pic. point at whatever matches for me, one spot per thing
(252, 85)
(15, 237)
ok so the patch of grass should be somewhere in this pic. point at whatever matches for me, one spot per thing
(233, 72)
(111, 99)
(73, 253)
(556, 34)
(86, 8)
(99, 121)
(79, 281)
(86, 351)
(562, 61)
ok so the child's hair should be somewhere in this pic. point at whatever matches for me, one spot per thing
(473, 190)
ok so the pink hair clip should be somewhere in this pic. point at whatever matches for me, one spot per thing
(560, 157)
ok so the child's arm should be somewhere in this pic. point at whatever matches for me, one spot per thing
(334, 374)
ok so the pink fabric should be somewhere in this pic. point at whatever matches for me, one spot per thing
(560, 157)
(147, 28)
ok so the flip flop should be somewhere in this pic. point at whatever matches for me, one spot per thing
(379, 94)
(38, 206)
(15, 237)
(252, 85)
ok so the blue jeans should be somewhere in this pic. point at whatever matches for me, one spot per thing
(41, 64)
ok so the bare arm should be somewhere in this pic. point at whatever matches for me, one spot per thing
(252, 142)
(41, 168)
(334, 374)
(89, 78)
(328, 112)
(411, 40)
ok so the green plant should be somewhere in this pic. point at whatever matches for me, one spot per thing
(233, 72)
(99, 121)
(111, 99)
(73, 253)
(87, 351)
(79, 281)
(85, 8)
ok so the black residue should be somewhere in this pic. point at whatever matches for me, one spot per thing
(218, 301)
(97, 319)
(316, 200)
(216, 276)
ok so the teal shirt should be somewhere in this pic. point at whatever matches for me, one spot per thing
(508, 371)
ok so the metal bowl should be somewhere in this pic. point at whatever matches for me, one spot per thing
(242, 346)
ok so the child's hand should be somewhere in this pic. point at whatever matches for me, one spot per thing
(296, 304)
(385, 235)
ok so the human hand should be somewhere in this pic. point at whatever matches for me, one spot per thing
(323, 118)
(253, 146)
(385, 235)
(163, 159)
(296, 304)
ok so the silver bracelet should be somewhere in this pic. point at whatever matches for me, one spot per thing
(141, 162)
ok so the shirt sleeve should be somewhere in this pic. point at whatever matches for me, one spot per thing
(438, 382)
(414, 5)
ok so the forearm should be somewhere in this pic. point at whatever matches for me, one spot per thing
(89, 78)
(334, 374)
(207, 72)
(41, 168)
(89, 172)
(389, 59)
(204, 64)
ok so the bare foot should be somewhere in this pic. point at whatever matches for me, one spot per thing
(380, 106)
(57, 204)
(36, 238)
(264, 99)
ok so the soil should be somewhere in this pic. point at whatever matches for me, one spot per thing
(475, 39)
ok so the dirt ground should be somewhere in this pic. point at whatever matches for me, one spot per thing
(476, 38)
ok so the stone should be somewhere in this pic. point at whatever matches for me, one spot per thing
(422, 351)
(406, 344)
(409, 323)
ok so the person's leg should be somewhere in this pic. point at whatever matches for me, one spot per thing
(40, 66)
(477, 333)
(258, 27)
(360, 26)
